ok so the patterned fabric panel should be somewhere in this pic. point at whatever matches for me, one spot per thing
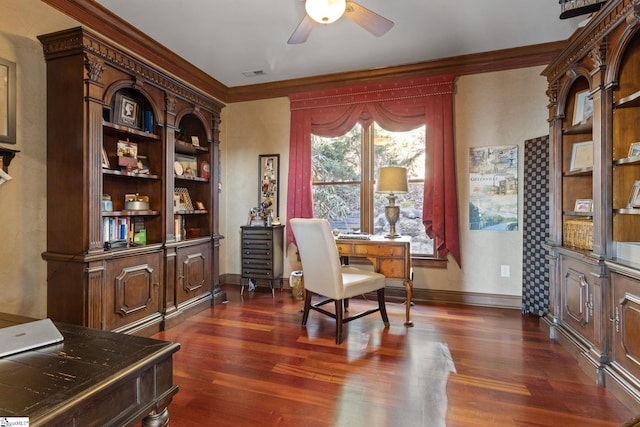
(535, 270)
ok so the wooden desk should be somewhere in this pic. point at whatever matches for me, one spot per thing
(391, 257)
(92, 378)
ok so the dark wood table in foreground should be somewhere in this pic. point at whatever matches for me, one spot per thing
(92, 378)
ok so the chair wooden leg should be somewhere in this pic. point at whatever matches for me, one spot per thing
(383, 307)
(307, 307)
(346, 304)
(339, 322)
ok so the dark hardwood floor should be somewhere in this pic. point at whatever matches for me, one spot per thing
(248, 362)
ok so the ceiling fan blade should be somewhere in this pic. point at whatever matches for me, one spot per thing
(302, 31)
(370, 21)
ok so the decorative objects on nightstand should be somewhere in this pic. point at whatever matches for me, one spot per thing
(268, 177)
(392, 180)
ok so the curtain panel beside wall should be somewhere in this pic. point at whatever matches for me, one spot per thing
(395, 106)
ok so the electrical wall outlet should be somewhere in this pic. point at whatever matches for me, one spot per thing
(505, 271)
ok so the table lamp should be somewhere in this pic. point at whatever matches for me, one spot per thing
(392, 180)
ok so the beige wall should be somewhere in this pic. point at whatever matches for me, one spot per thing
(491, 109)
(500, 108)
(23, 199)
(248, 129)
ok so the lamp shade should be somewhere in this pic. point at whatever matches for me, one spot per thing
(325, 11)
(392, 180)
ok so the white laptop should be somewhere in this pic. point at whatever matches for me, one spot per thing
(27, 336)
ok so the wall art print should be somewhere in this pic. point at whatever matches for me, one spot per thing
(493, 188)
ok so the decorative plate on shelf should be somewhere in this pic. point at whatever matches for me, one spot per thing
(177, 168)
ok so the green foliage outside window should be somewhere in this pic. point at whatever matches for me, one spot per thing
(337, 168)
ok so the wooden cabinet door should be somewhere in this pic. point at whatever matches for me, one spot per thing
(131, 289)
(626, 323)
(193, 272)
(577, 298)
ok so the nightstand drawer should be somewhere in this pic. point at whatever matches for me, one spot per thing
(256, 253)
(257, 274)
(257, 233)
(265, 263)
(257, 244)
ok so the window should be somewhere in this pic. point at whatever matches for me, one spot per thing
(344, 170)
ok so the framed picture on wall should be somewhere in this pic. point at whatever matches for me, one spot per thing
(7, 101)
(268, 182)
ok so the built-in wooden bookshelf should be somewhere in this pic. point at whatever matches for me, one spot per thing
(116, 128)
(595, 285)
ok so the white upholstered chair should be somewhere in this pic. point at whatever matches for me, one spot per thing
(325, 276)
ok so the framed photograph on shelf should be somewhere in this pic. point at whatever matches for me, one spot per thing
(105, 159)
(188, 166)
(127, 153)
(182, 200)
(127, 111)
(634, 149)
(581, 156)
(634, 197)
(583, 108)
(268, 181)
(584, 205)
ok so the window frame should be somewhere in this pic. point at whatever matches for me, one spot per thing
(367, 193)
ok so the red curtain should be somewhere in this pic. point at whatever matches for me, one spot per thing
(395, 106)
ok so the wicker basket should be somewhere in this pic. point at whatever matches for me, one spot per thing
(578, 234)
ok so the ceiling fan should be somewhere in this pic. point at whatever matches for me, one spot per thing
(328, 11)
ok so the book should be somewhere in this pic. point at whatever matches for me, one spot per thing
(178, 227)
(138, 230)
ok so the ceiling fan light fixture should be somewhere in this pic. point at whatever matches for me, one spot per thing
(325, 11)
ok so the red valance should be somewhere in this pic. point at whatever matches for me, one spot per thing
(395, 106)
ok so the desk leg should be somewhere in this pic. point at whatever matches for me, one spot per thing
(408, 284)
(157, 419)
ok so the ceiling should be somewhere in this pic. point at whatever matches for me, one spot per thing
(228, 38)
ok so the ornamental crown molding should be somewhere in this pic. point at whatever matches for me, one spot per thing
(587, 39)
(79, 39)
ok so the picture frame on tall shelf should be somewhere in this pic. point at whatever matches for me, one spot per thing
(182, 200)
(268, 182)
(583, 108)
(584, 205)
(188, 165)
(105, 159)
(634, 149)
(127, 111)
(127, 153)
(581, 156)
(634, 197)
(7, 101)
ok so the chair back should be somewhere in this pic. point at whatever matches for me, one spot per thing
(321, 265)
